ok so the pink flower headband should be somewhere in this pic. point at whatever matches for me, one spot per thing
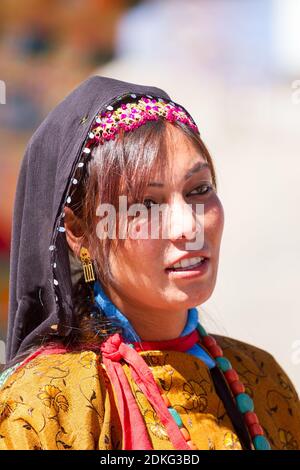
(130, 115)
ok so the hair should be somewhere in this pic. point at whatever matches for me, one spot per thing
(122, 166)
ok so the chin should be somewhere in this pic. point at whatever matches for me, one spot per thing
(187, 299)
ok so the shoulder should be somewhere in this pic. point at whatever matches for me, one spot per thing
(51, 366)
(54, 374)
(241, 349)
(259, 361)
(275, 397)
(60, 399)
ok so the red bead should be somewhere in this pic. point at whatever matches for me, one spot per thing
(256, 430)
(237, 387)
(231, 376)
(215, 351)
(250, 418)
(209, 341)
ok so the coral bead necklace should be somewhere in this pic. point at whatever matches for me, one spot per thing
(243, 401)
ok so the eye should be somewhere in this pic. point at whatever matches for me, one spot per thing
(199, 190)
(147, 202)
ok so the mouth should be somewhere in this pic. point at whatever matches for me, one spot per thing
(187, 268)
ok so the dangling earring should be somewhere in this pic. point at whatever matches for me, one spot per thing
(94, 325)
(92, 316)
(87, 265)
(89, 277)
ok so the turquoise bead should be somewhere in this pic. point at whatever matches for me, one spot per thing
(261, 443)
(244, 403)
(176, 417)
(223, 363)
(201, 330)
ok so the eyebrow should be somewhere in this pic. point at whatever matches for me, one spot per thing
(195, 169)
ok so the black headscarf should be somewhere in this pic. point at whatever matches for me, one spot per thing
(41, 291)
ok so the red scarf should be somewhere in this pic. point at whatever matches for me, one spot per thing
(135, 434)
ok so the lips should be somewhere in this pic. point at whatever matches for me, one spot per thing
(187, 261)
(195, 271)
(188, 267)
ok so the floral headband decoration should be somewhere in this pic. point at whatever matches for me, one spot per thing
(130, 115)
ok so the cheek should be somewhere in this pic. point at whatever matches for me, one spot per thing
(214, 221)
(142, 256)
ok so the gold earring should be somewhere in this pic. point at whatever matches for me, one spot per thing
(87, 265)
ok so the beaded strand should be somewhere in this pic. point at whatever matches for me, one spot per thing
(178, 421)
(243, 401)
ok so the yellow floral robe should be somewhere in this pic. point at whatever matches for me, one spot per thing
(65, 401)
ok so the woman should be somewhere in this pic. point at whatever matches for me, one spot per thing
(104, 346)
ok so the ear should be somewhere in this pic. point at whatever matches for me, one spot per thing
(74, 231)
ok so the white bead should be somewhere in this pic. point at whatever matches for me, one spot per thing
(54, 265)
(61, 229)
(91, 135)
(80, 165)
(149, 96)
(110, 108)
(98, 120)
(55, 282)
(52, 247)
(68, 200)
(75, 181)
(86, 150)
(133, 95)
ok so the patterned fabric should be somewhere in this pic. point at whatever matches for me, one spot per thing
(65, 401)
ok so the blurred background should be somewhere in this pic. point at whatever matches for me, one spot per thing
(235, 65)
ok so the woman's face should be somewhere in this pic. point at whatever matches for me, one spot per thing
(139, 266)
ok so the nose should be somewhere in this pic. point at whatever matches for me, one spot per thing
(182, 220)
